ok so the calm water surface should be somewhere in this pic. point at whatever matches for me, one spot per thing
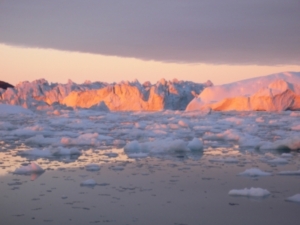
(167, 189)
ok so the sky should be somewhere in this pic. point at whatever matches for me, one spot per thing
(101, 40)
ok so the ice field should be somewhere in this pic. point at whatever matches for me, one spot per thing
(167, 167)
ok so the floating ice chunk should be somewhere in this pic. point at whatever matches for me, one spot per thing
(225, 160)
(195, 145)
(249, 141)
(119, 143)
(36, 152)
(141, 125)
(260, 120)
(40, 139)
(251, 192)
(291, 143)
(89, 182)
(117, 168)
(50, 152)
(132, 146)
(84, 139)
(237, 121)
(295, 114)
(167, 145)
(6, 126)
(278, 161)
(156, 146)
(286, 155)
(111, 154)
(297, 172)
(138, 155)
(254, 172)
(228, 135)
(27, 131)
(32, 168)
(92, 167)
(294, 198)
(13, 109)
(183, 123)
(296, 127)
(65, 151)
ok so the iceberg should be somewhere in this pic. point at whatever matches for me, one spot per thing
(277, 92)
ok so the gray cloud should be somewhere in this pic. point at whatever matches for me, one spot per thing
(263, 32)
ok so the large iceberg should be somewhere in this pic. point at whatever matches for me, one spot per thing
(277, 92)
(124, 96)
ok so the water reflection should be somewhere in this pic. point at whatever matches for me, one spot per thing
(174, 188)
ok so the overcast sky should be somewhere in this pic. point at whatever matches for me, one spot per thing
(263, 32)
(221, 40)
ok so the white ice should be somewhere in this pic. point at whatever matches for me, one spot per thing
(6, 109)
(294, 198)
(254, 172)
(89, 182)
(32, 168)
(50, 152)
(92, 167)
(296, 172)
(250, 192)
(195, 145)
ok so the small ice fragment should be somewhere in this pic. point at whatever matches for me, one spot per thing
(251, 192)
(32, 168)
(195, 145)
(89, 182)
(224, 160)
(92, 167)
(183, 123)
(278, 161)
(254, 172)
(297, 172)
(138, 155)
(294, 198)
(286, 155)
(111, 154)
(64, 197)
(118, 168)
(133, 146)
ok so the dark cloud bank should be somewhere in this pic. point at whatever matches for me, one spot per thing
(263, 32)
